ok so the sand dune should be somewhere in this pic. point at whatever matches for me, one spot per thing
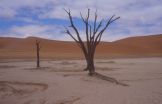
(142, 46)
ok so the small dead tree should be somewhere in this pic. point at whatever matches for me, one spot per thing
(93, 33)
(38, 47)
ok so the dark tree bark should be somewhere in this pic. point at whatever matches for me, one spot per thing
(93, 34)
(37, 53)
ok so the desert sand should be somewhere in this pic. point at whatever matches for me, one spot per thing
(135, 62)
(64, 82)
(141, 46)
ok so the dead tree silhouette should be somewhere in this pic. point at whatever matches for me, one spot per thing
(93, 36)
(38, 47)
(94, 33)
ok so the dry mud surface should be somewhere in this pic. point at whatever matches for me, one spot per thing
(64, 82)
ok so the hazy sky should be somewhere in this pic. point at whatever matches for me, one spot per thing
(46, 18)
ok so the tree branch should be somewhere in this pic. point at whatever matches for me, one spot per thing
(80, 42)
(111, 20)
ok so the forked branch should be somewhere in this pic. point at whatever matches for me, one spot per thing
(93, 34)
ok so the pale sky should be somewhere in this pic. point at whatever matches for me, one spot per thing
(46, 18)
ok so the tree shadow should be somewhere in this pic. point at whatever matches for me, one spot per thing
(110, 79)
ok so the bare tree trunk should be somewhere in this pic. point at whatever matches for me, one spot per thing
(91, 67)
(87, 63)
(38, 55)
(38, 59)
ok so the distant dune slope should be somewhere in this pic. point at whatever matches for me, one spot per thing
(141, 46)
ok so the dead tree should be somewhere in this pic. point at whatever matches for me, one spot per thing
(93, 34)
(38, 47)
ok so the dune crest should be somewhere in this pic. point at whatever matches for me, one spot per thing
(141, 46)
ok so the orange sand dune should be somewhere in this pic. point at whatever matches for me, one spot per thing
(141, 46)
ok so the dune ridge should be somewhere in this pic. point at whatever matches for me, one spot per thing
(140, 46)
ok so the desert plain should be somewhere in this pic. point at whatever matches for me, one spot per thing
(64, 82)
(136, 62)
